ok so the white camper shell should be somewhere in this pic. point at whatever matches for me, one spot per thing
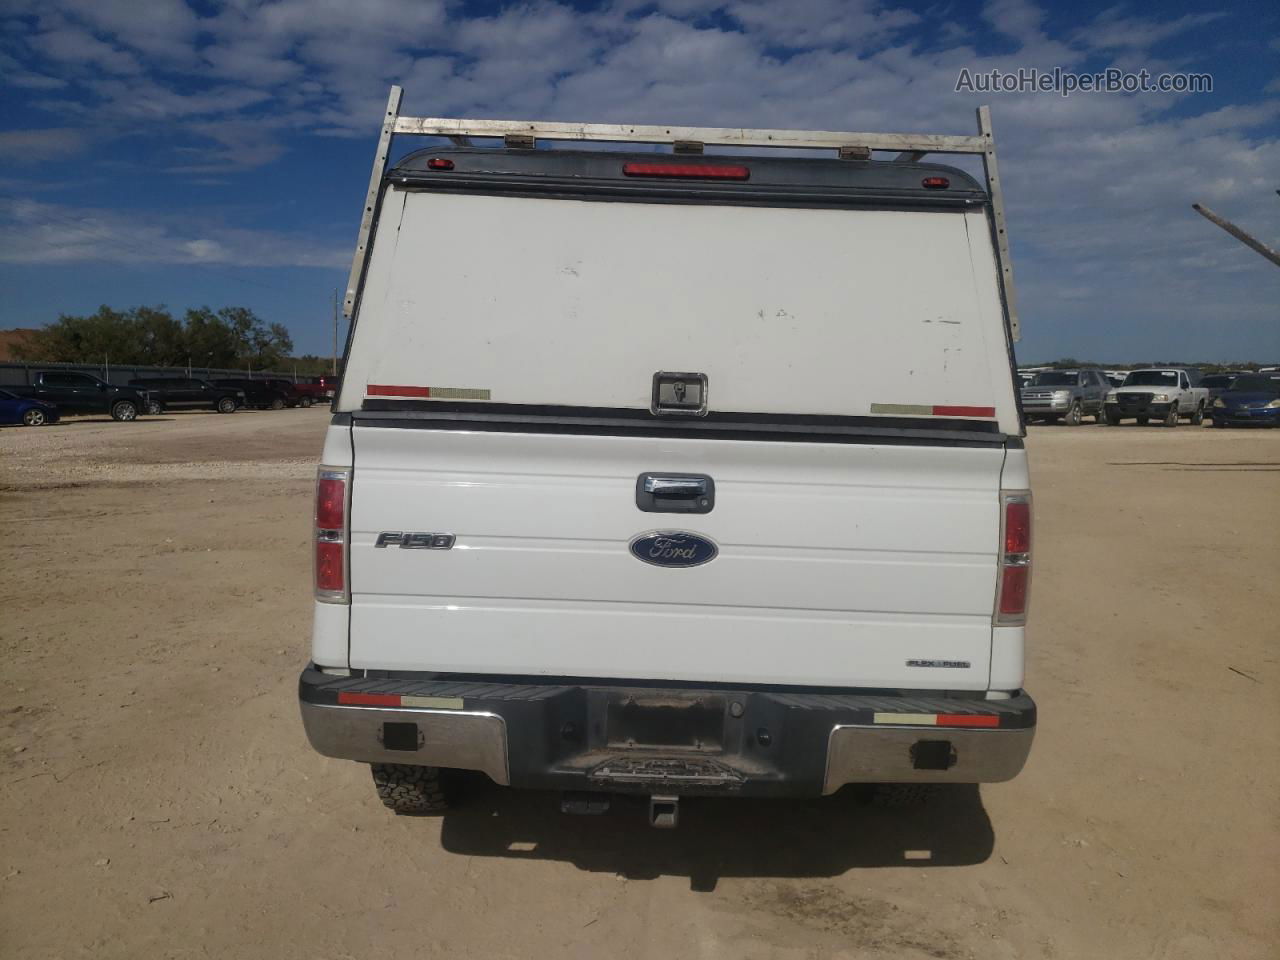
(674, 472)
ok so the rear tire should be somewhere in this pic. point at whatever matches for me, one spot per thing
(1113, 419)
(277, 404)
(1074, 415)
(1197, 418)
(408, 789)
(1101, 415)
(124, 410)
(154, 408)
(898, 795)
(226, 405)
(305, 402)
(1171, 418)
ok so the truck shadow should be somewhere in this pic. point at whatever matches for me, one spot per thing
(822, 837)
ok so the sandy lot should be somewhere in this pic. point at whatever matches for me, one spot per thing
(158, 797)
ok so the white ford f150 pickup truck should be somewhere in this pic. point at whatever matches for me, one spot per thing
(674, 473)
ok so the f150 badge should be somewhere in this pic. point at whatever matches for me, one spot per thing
(415, 541)
(673, 548)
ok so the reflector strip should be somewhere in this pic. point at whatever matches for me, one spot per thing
(396, 700)
(426, 393)
(914, 719)
(433, 703)
(384, 390)
(964, 411)
(939, 719)
(370, 699)
(931, 410)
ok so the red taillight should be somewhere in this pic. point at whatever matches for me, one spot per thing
(331, 535)
(935, 183)
(1013, 591)
(329, 560)
(687, 171)
(1017, 526)
(1015, 559)
(439, 163)
(331, 498)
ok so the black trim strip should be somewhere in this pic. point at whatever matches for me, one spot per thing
(750, 195)
(610, 421)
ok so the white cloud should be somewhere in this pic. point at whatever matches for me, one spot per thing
(37, 146)
(75, 48)
(32, 232)
(820, 23)
(1113, 31)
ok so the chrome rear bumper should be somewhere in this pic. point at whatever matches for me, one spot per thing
(462, 740)
(757, 743)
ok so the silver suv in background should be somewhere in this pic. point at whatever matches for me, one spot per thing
(1066, 395)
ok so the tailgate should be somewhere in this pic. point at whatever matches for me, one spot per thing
(839, 564)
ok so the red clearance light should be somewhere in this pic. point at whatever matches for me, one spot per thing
(935, 183)
(439, 163)
(687, 171)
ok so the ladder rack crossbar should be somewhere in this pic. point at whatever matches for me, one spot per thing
(711, 136)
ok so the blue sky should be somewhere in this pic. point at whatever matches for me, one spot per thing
(194, 152)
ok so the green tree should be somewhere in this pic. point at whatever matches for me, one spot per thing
(230, 337)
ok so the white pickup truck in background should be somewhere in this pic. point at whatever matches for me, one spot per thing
(1163, 394)
(673, 474)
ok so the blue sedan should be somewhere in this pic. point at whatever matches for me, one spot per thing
(1254, 398)
(24, 410)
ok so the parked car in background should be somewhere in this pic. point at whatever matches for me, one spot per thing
(294, 395)
(315, 388)
(1115, 377)
(1252, 400)
(1164, 394)
(257, 393)
(180, 393)
(1216, 383)
(73, 392)
(26, 410)
(1066, 395)
(1025, 377)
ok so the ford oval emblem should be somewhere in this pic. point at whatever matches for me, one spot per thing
(673, 548)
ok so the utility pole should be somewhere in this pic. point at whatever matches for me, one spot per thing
(335, 332)
(1231, 228)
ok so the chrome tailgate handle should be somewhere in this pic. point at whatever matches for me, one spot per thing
(675, 493)
(676, 486)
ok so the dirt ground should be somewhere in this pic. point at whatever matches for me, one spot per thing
(158, 797)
